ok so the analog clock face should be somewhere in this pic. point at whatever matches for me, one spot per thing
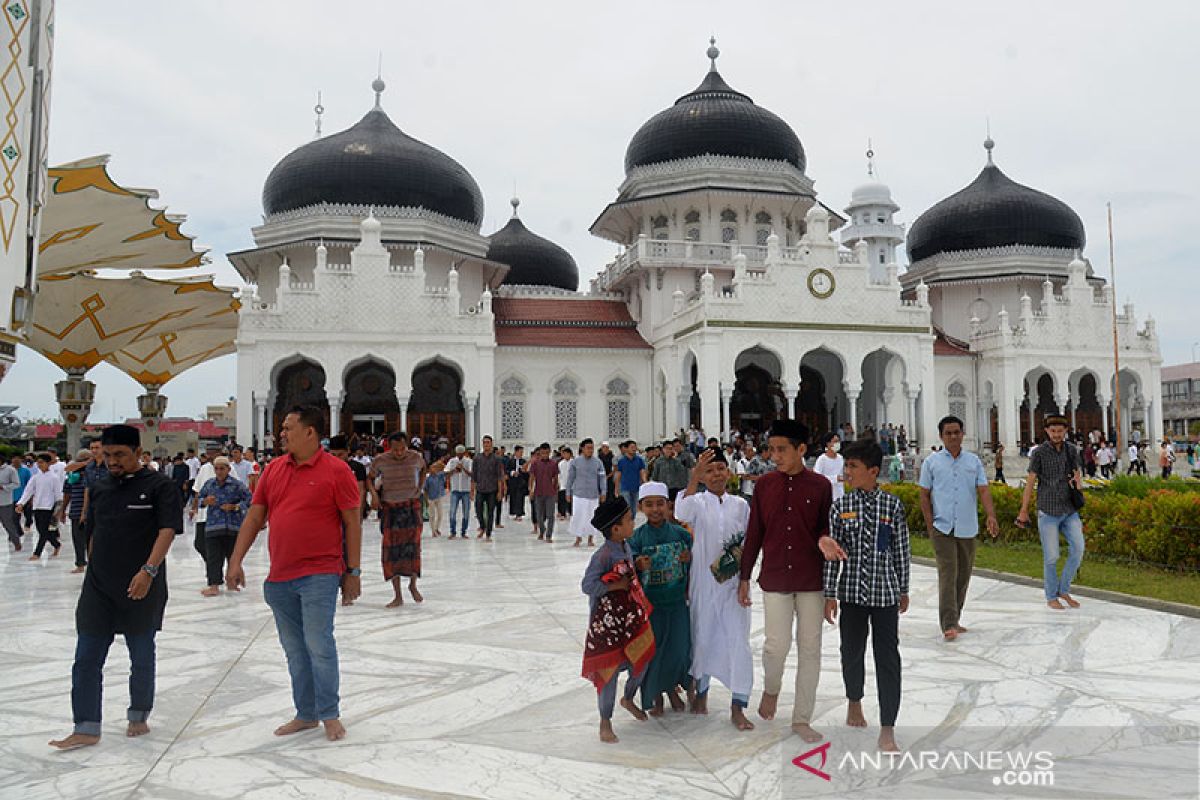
(820, 283)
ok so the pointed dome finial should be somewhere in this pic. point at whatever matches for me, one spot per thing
(870, 160)
(378, 85)
(712, 53)
(318, 109)
(514, 202)
(988, 144)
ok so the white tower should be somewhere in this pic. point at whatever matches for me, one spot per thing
(870, 220)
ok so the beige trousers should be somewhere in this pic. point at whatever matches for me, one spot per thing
(807, 609)
(437, 513)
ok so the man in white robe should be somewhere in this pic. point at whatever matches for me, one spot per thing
(720, 625)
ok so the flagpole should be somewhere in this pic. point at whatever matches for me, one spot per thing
(1112, 271)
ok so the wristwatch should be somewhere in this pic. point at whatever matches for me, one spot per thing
(354, 572)
(150, 570)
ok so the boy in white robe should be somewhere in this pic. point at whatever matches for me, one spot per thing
(720, 625)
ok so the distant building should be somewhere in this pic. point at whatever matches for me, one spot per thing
(1181, 399)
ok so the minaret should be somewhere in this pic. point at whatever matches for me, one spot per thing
(871, 212)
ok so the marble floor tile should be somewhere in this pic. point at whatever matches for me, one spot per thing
(476, 693)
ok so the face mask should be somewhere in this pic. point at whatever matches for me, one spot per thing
(837, 446)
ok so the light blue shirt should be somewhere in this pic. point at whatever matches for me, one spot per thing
(953, 486)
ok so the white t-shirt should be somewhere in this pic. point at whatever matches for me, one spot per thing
(564, 466)
(58, 469)
(193, 465)
(202, 475)
(1103, 456)
(831, 469)
(459, 481)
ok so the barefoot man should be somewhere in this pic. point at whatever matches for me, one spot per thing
(789, 525)
(398, 502)
(311, 500)
(133, 516)
(720, 624)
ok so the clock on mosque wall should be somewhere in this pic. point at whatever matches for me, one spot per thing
(821, 283)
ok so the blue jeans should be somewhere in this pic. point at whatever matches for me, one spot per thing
(87, 679)
(631, 497)
(303, 611)
(457, 498)
(1049, 527)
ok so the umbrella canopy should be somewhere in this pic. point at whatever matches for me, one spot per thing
(89, 222)
(154, 361)
(79, 320)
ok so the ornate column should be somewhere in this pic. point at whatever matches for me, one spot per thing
(885, 403)
(710, 383)
(471, 404)
(726, 397)
(404, 412)
(912, 396)
(335, 415)
(74, 395)
(261, 428)
(152, 406)
(791, 393)
(682, 410)
(852, 401)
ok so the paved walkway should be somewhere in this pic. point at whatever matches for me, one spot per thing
(476, 693)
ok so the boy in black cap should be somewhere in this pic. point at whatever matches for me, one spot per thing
(133, 516)
(619, 636)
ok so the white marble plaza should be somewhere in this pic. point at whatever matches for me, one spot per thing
(476, 694)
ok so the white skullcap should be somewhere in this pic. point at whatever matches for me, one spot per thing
(652, 489)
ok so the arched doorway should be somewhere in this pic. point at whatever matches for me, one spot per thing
(1043, 406)
(811, 408)
(693, 406)
(882, 399)
(301, 383)
(1088, 414)
(821, 401)
(758, 398)
(369, 406)
(436, 405)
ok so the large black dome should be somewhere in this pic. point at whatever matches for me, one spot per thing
(714, 119)
(532, 260)
(994, 211)
(373, 163)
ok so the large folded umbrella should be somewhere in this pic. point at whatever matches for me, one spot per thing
(89, 222)
(154, 361)
(79, 320)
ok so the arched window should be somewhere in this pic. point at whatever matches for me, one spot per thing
(728, 226)
(512, 410)
(762, 228)
(566, 409)
(957, 395)
(692, 221)
(618, 408)
(658, 227)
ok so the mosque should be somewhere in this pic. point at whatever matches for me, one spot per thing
(737, 297)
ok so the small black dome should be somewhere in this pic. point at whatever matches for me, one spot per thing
(532, 260)
(714, 119)
(373, 163)
(994, 211)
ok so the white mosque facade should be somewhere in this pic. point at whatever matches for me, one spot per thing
(737, 297)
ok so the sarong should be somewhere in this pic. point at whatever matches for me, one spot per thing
(672, 660)
(400, 523)
(618, 632)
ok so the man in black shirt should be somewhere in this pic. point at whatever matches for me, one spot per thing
(133, 516)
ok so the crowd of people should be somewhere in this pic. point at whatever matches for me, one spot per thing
(669, 598)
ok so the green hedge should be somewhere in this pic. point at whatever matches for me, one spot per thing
(1162, 526)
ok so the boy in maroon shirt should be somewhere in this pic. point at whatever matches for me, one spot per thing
(789, 525)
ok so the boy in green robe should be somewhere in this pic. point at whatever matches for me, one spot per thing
(662, 551)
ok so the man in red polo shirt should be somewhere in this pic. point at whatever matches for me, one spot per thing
(310, 498)
(789, 525)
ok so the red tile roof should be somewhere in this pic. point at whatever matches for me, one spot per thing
(943, 345)
(552, 322)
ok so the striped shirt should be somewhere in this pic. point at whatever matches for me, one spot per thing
(871, 528)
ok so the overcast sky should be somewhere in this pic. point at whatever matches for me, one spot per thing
(1088, 101)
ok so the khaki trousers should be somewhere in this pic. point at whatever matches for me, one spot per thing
(955, 559)
(437, 513)
(807, 610)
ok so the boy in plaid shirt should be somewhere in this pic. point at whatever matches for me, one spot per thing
(871, 583)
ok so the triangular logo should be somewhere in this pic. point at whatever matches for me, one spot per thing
(818, 770)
